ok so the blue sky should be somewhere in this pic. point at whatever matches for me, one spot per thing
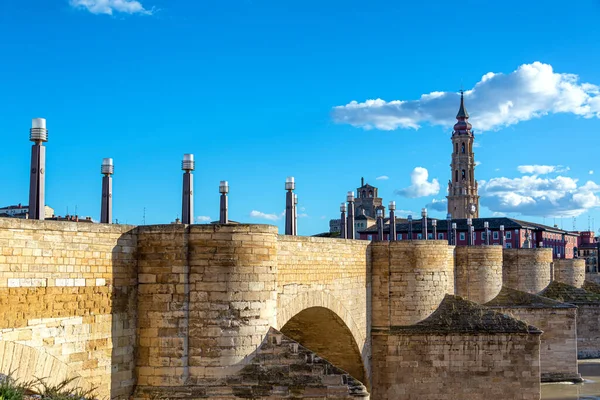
(251, 88)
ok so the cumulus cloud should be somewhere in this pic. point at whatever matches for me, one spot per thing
(497, 100)
(536, 196)
(259, 214)
(420, 185)
(403, 213)
(382, 178)
(110, 6)
(438, 205)
(203, 218)
(541, 169)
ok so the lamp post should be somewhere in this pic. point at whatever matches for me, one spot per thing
(38, 134)
(379, 225)
(486, 225)
(350, 223)
(454, 233)
(410, 233)
(424, 223)
(224, 204)
(434, 228)
(290, 185)
(187, 212)
(448, 227)
(392, 207)
(107, 169)
(470, 231)
(295, 214)
(502, 237)
(343, 221)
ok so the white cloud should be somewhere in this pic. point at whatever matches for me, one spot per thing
(477, 163)
(270, 217)
(497, 100)
(203, 218)
(382, 178)
(420, 186)
(438, 205)
(110, 6)
(591, 172)
(541, 169)
(476, 145)
(536, 196)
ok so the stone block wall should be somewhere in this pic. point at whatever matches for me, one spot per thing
(588, 334)
(527, 270)
(412, 277)
(558, 346)
(455, 366)
(207, 299)
(570, 271)
(67, 302)
(478, 272)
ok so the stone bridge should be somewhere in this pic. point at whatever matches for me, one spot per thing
(238, 311)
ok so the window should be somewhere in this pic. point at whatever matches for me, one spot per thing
(496, 235)
(462, 149)
(440, 236)
(464, 174)
(482, 235)
(430, 236)
(456, 148)
(370, 237)
(456, 176)
(419, 236)
(399, 236)
(370, 193)
(462, 236)
(509, 235)
(508, 245)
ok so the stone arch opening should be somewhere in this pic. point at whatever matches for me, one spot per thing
(322, 331)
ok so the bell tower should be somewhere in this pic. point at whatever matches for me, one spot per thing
(463, 200)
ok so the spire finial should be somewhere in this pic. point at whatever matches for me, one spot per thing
(362, 181)
(462, 111)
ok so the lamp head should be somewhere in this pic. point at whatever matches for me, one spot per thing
(350, 197)
(38, 131)
(392, 205)
(409, 218)
(290, 184)
(380, 213)
(188, 163)
(343, 207)
(454, 225)
(107, 167)
(502, 227)
(486, 224)
(434, 222)
(223, 187)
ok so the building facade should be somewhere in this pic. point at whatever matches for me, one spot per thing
(463, 198)
(21, 211)
(588, 247)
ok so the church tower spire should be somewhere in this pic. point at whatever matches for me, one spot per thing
(463, 198)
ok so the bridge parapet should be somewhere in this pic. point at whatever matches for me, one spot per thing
(570, 271)
(410, 280)
(527, 270)
(478, 272)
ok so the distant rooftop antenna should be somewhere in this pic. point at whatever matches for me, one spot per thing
(107, 169)
(144, 217)
(574, 223)
(38, 134)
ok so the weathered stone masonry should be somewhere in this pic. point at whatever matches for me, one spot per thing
(189, 311)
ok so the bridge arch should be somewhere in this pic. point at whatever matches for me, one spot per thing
(320, 322)
(25, 364)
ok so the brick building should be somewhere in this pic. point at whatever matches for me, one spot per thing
(588, 248)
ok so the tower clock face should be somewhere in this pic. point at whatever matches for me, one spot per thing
(472, 208)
